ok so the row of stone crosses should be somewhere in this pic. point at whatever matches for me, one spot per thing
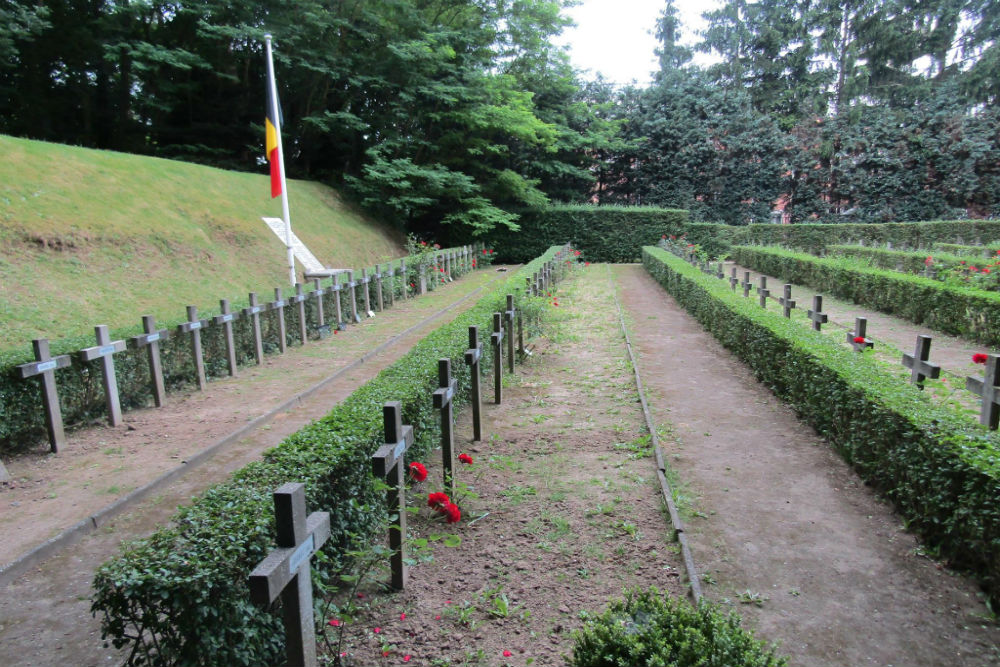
(987, 388)
(284, 572)
(45, 364)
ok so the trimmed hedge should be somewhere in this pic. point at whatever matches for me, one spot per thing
(908, 261)
(81, 395)
(181, 596)
(965, 250)
(960, 311)
(940, 470)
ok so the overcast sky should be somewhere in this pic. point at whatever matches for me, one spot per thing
(615, 37)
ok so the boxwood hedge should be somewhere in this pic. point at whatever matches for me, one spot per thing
(941, 471)
(960, 311)
(181, 597)
(908, 261)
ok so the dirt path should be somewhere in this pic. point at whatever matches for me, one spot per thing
(45, 614)
(781, 525)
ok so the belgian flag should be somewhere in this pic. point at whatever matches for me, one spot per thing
(271, 128)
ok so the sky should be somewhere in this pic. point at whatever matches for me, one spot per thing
(615, 37)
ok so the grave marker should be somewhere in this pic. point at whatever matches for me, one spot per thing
(299, 299)
(860, 327)
(746, 284)
(253, 313)
(279, 304)
(929, 272)
(496, 338)
(816, 313)
(387, 465)
(763, 292)
(421, 279)
(105, 351)
(194, 326)
(151, 341)
(443, 395)
(318, 293)
(365, 280)
(378, 289)
(988, 391)
(402, 272)
(354, 297)
(46, 365)
(786, 300)
(918, 362)
(337, 288)
(285, 571)
(733, 280)
(472, 357)
(226, 320)
(509, 316)
(719, 273)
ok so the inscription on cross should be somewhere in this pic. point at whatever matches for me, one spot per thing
(387, 464)
(917, 362)
(472, 357)
(285, 571)
(496, 338)
(46, 365)
(988, 391)
(746, 284)
(763, 292)
(151, 341)
(104, 350)
(226, 320)
(194, 326)
(786, 300)
(443, 395)
(857, 337)
(816, 313)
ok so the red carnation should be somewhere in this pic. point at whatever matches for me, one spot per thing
(664, 236)
(438, 500)
(465, 458)
(986, 270)
(859, 339)
(437, 247)
(418, 472)
(452, 513)
(979, 358)
(929, 261)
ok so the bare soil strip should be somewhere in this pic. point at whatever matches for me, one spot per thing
(780, 527)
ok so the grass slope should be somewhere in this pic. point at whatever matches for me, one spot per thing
(94, 237)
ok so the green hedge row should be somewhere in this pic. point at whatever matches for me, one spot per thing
(941, 471)
(181, 597)
(81, 395)
(987, 250)
(908, 261)
(960, 311)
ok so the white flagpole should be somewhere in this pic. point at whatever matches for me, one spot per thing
(281, 162)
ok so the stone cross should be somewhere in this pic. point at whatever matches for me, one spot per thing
(763, 292)
(509, 317)
(151, 341)
(365, 280)
(816, 313)
(472, 357)
(378, 289)
(279, 304)
(299, 299)
(337, 288)
(285, 571)
(929, 272)
(520, 332)
(860, 327)
(104, 350)
(46, 365)
(746, 284)
(443, 395)
(719, 273)
(786, 300)
(226, 320)
(421, 279)
(733, 280)
(194, 326)
(387, 465)
(917, 362)
(496, 338)
(989, 391)
(318, 292)
(354, 297)
(253, 314)
(402, 272)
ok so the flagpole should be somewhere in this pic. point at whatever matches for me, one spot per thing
(281, 161)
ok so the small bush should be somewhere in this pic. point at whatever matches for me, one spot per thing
(647, 628)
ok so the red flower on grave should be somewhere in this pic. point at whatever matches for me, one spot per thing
(929, 260)
(673, 238)
(465, 458)
(452, 513)
(402, 616)
(423, 243)
(664, 236)
(335, 622)
(555, 303)
(418, 472)
(406, 658)
(973, 269)
(986, 270)
(484, 251)
(577, 253)
(378, 630)
(859, 339)
(586, 263)
(438, 499)
(437, 247)
(980, 358)
(962, 262)
(413, 285)
(506, 654)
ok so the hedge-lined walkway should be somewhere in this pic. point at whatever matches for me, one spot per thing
(779, 524)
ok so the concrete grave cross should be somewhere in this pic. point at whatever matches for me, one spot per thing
(45, 365)
(918, 364)
(496, 338)
(317, 293)
(285, 571)
(365, 280)
(719, 273)
(151, 341)
(763, 292)
(387, 464)
(786, 300)
(226, 320)
(746, 284)
(816, 313)
(337, 288)
(105, 351)
(194, 326)
(351, 285)
(253, 313)
(509, 319)
(988, 390)
(443, 400)
(402, 273)
(733, 280)
(378, 289)
(472, 357)
(279, 304)
(857, 337)
(929, 272)
(299, 299)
